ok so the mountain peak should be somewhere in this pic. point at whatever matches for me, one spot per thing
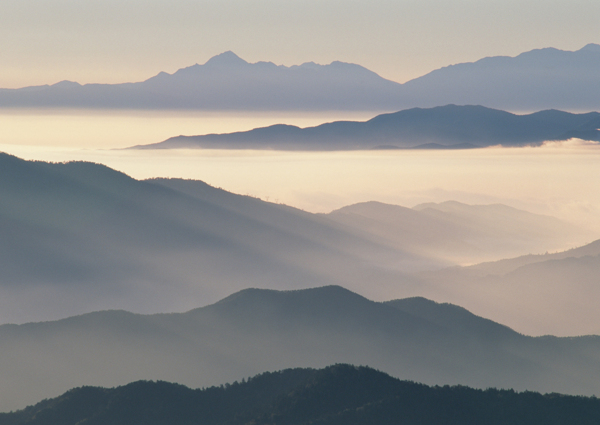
(322, 294)
(227, 58)
(66, 83)
(592, 47)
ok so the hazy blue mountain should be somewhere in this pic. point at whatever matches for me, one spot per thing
(333, 395)
(460, 233)
(450, 126)
(258, 330)
(540, 79)
(226, 82)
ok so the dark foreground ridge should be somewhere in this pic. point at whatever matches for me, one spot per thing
(340, 394)
(443, 127)
(256, 330)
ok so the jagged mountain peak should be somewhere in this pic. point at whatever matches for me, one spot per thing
(227, 58)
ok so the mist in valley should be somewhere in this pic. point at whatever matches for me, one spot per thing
(507, 233)
(383, 184)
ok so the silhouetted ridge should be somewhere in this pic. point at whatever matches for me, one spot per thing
(545, 78)
(256, 330)
(326, 295)
(460, 318)
(592, 47)
(539, 79)
(331, 308)
(66, 84)
(340, 394)
(226, 59)
(14, 170)
(444, 127)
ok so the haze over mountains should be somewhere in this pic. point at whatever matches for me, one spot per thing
(540, 79)
(107, 280)
(77, 237)
(258, 330)
(449, 126)
(458, 232)
(555, 292)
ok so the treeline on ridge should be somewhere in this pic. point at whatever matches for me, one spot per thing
(340, 394)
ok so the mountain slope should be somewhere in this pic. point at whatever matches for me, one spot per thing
(256, 330)
(336, 394)
(522, 291)
(539, 79)
(449, 126)
(460, 233)
(77, 237)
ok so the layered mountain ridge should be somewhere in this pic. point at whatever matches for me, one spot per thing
(76, 237)
(258, 330)
(540, 79)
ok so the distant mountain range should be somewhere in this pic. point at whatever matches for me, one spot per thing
(444, 127)
(458, 232)
(79, 237)
(565, 283)
(225, 82)
(258, 330)
(540, 79)
(340, 394)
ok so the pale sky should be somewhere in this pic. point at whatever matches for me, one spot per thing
(110, 41)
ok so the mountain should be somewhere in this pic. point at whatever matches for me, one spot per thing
(551, 293)
(459, 233)
(450, 126)
(333, 395)
(257, 330)
(539, 79)
(78, 237)
(225, 82)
